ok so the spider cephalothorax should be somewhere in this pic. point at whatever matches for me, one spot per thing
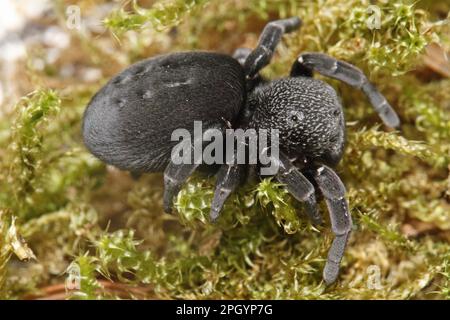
(308, 114)
(129, 122)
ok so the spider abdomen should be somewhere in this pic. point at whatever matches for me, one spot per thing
(129, 122)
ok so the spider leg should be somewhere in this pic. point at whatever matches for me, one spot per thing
(328, 66)
(298, 186)
(333, 191)
(269, 39)
(228, 178)
(175, 175)
(241, 54)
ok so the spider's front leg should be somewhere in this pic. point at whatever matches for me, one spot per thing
(268, 41)
(328, 66)
(333, 191)
(298, 185)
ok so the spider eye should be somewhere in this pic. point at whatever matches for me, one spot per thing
(295, 117)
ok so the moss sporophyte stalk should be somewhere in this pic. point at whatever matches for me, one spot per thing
(62, 209)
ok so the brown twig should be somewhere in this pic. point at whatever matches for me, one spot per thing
(123, 291)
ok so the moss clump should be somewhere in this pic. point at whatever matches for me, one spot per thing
(160, 16)
(108, 232)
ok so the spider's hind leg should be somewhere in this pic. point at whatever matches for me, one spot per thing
(333, 191)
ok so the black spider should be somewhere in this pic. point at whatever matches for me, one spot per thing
(129, 122)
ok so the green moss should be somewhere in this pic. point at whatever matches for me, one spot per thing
(162, 15)
(76, 214)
